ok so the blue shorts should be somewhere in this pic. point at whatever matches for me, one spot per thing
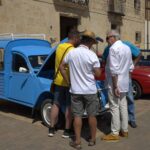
(62, 97)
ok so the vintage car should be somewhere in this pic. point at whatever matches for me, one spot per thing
(21, 80)
(141, 81)
(141, 75)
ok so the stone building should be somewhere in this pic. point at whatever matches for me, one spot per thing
(55, 17)
(147, 24)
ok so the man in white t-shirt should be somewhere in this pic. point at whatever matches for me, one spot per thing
(83, 66)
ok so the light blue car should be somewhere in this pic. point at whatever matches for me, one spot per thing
(26, 74)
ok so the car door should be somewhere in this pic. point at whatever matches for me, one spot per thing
(22, 82)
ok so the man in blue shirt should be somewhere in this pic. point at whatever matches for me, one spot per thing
(136, 54)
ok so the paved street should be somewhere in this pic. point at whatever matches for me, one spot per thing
(18, 133)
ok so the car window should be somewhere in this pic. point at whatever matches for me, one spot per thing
(37, 61)
(19, 64)
(145, 58)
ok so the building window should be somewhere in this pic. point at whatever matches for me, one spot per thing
(137, 4)
(138, 37)
(147, 10)
(116, 6)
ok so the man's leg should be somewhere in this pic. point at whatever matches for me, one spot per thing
(68, 121)
(78, 110)
(54, 111)
(93, 125)
(114, 109)
(92, 101)
(68, 114)
(124, 115)
(77, 128)
(115, 120)
(68, 118)
(131, 106)
(53, 119)
(54, 115)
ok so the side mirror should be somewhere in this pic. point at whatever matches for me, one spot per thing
(22, 69)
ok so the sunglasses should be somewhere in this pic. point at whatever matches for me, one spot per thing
(107, 38)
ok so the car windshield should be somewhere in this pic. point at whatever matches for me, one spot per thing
(145, 58)
(37, 61)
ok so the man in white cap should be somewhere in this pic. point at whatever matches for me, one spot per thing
(83, 66)
(119, 64)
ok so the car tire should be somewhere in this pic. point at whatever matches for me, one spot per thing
(137, 91)
(45, 111)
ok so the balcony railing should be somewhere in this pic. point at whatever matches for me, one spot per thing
(117, 7)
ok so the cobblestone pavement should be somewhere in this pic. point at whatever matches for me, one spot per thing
(18, 133)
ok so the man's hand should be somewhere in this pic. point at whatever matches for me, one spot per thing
(116, 92)
(62, 68)
(115, 87)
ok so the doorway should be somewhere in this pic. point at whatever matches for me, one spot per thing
(115, 27)
(67, 24)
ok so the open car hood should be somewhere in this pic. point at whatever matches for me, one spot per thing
(51, 55)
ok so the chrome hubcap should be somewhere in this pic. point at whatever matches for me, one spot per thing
(134, 90)
(46, 112)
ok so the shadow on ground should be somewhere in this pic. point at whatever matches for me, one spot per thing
(103, 125)
(103, 121)
(145, 97)
(10, 107)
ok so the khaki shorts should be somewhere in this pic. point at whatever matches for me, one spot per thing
(88, 102)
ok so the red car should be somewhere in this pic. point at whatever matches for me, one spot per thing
(140, 80)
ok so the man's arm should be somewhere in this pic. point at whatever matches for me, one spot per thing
(97, 72)
(136, 52)
(137, 59)
(115, 87)
(114, 68)
(105, 53)
(63, 71)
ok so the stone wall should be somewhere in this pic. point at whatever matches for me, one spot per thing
(43, 16)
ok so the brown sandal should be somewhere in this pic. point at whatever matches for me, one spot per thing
(91, 142)
(75, 145)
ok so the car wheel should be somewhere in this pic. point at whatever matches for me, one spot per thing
(137, 91)
(45, 111)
